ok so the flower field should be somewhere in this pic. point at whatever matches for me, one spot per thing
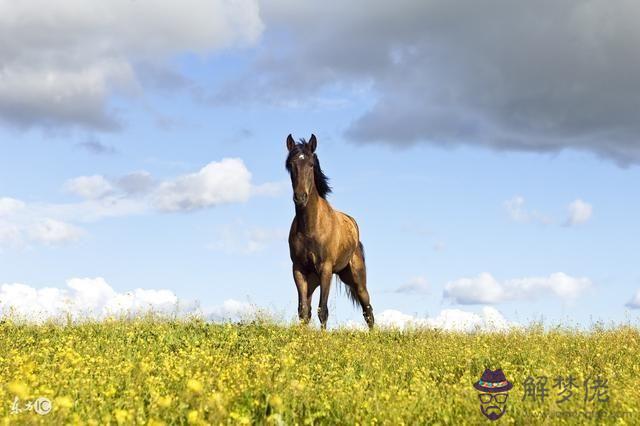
(152, 371)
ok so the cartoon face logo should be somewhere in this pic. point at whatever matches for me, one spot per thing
(493, 387)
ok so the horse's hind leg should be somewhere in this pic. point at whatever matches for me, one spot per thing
(355, 276)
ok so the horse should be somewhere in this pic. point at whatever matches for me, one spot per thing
(322, 241)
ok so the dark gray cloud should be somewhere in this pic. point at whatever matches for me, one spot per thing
(415, 285)
(94, 146)
(136, 182)
(161, 76)
(534, 76)
(29, 107)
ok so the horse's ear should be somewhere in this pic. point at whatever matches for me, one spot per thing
(313, 143)
(290, 142)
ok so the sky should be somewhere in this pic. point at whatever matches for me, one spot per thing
(489, 152)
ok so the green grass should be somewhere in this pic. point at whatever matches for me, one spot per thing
(152, 371)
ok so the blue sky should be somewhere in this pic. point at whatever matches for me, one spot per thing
(462, 204)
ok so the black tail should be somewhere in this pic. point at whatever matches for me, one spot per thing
(351, 292)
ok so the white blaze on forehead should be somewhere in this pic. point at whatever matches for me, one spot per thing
(301, 156)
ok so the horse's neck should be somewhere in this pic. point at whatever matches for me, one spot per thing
(310, 215)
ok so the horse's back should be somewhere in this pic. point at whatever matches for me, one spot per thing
(349, 227)
(350, 222)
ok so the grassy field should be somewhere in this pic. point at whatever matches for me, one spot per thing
(152, 371)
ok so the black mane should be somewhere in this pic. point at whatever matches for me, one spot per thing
(321, 180)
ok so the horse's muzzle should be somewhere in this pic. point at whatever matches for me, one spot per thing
(300, 198)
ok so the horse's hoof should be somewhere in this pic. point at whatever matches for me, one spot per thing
(370, 321)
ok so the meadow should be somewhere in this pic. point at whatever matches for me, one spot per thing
(151, 371)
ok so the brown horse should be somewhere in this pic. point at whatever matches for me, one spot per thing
(322, 241)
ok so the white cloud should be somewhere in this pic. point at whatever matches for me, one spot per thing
(9, 206)
(579, 213)
(516, 209)
(634, 303)
(238, 238)
(51, 232)
(94, 298)
(260, 238)
(219, 182)
(485, 289)
(270, 189)
(482, 289)
(414, 285)
(22, 228)
(226, 181)
(83, 298)
(90, 187)
(10, 234)
(489, 319)
(92, 210)
(232, 310)
(66, 58)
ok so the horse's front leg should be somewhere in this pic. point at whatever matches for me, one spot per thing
(304, 309)
(325, 284)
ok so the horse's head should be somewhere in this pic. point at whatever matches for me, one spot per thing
(304, 169)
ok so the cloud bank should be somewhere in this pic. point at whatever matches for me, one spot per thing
(485, 289)
(579, 212)
(539, 77)
(95, 299)
(489, 319)
(542, 77)
(221, 182)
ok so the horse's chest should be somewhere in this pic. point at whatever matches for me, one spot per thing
(307, 251)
